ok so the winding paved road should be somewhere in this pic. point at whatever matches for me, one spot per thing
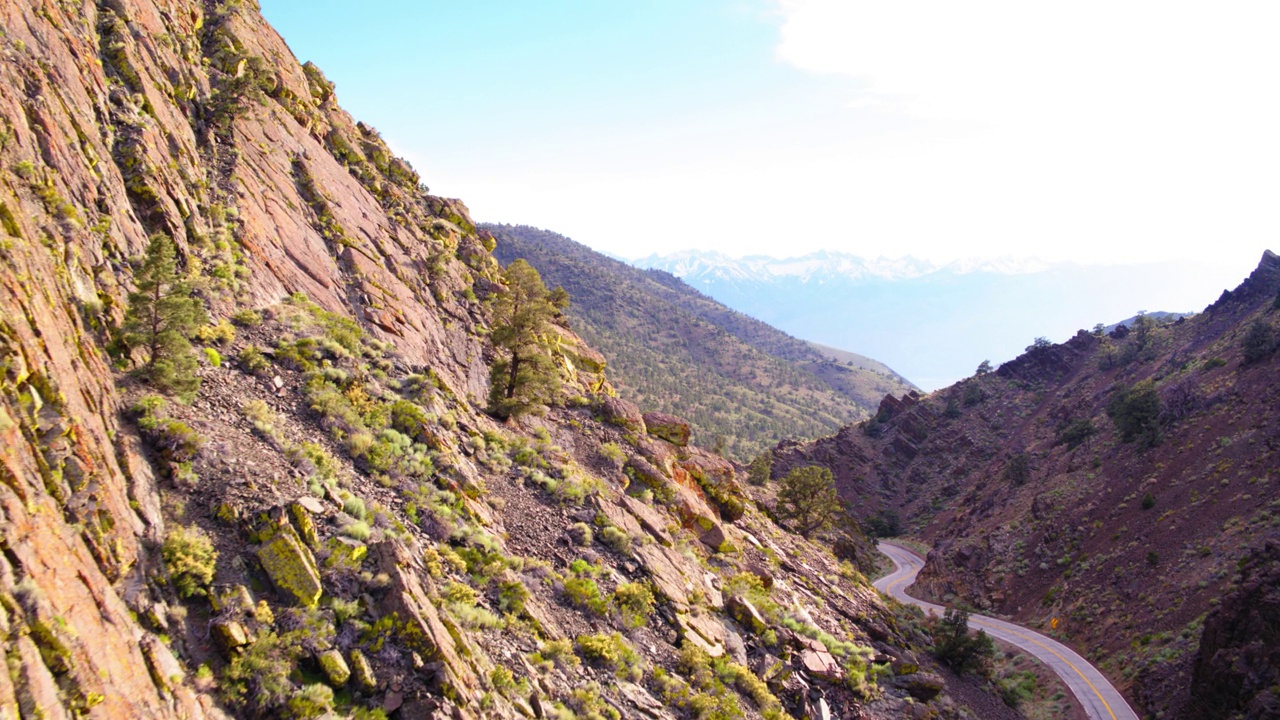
(1100, 700)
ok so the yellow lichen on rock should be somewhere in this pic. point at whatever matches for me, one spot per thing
(291, 567)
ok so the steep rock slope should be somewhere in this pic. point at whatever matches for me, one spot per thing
(1039, 507)
(332, 521)
(673, 348)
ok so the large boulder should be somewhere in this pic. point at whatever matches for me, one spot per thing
(667, 427)
(702, 631)
(291, 567)
(921, 686)
(653, 521)
(335, 667)
(715, 477)
(622, 413)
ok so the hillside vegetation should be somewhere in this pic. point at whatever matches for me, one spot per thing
(1106, 490)
(280, 437)
(742, 384)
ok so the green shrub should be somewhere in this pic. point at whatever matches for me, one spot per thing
(1017, 688)
(1075, 433)
(246, 318)
(512, 596)
(1148, 501)
(635, 603)
(616, 538)
(311, 701)
(1018, 471)
(581, 534)
(179, 441)
(358, 530)
(506, 684)
(220, 333)
(614, 652)
(302, 354)
(257, 679)
(408, 418)
(807, 499)
(456, 592)
(253, 361)
(260, 414)
(355, 507)
(584, 702)
(213, 356)
(555, 652)
(614, 454)
(475, 617)
(189, 559)
(584, 593)
(160, 319)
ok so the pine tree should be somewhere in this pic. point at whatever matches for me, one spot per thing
(957, 648)
(161, 317)
(807, 499)
(760, 469)
(524, 378)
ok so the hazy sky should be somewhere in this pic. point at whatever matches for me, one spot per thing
(1090, 131)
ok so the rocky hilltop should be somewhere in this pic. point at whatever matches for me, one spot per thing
(332, 523)
(1105, 490)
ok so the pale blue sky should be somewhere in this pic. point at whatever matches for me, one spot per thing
(1092, 131)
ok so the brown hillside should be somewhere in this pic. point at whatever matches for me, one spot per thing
(334, 523)
(1038, 510)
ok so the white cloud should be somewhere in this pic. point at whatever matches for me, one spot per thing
(1123, 128)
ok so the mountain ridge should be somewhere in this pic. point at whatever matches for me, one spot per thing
(1049, 496)
(697, 356)
(334, 524)
(959, 313)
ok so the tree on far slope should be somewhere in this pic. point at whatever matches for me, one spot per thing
(807, 499)
(1136, 413)
(1258, 342)
(984, 367)
(524, 378)
(161, 317)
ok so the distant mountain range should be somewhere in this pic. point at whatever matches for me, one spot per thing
(742, 384)
(933, 323)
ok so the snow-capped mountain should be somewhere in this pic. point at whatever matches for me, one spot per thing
(906, 311)
(824, 266)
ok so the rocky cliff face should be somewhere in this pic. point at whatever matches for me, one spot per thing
(1039, 508)
(1237, 668)
(333, 522)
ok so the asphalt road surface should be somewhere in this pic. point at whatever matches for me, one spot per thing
(1100, 700)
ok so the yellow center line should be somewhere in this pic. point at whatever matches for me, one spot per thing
(889, 590)
(1069, 664)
